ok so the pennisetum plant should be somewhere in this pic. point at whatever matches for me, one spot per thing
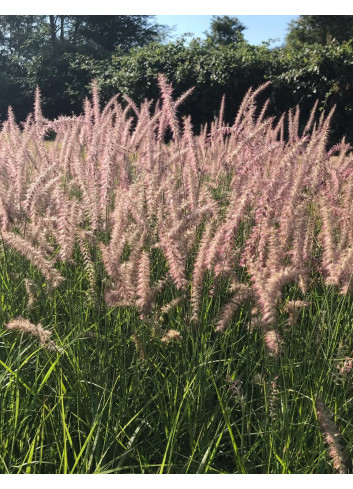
(110, 173)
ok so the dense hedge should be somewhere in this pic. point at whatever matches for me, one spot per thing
(212, 69)
(299, 75)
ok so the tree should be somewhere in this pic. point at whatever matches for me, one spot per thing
(22, 35)
(320, 29)
(226, 30)
(99, 31)
(109, 32)
(43, 49)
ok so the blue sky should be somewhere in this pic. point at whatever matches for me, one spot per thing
(259, 27)
(181, 7)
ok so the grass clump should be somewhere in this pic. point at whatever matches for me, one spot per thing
(174, 307)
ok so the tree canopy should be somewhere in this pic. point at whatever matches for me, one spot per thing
(321, 29)
(226, 30)
(107, 32)
(44, 49)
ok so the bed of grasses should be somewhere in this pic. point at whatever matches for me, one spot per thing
(179, 306)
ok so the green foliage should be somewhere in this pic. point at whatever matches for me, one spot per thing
(316, 72)
(215, 404)
(44, 50)
(321, 29)
(62, 54)
(109, 32)
(226, 30)
(299, 75)
(212, 69)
